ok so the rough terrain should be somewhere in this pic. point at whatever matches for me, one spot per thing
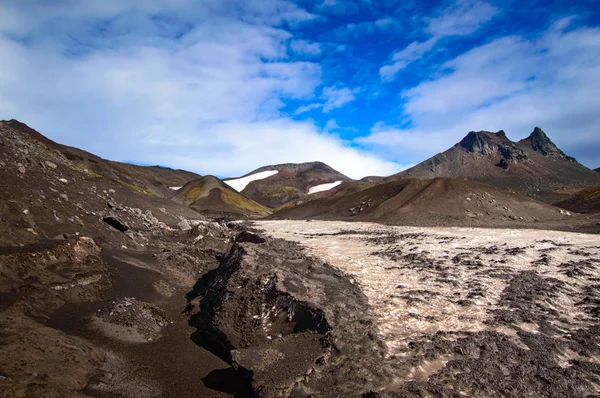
(471, 311)
(108, 287)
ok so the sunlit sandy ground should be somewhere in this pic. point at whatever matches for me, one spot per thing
(422, 280)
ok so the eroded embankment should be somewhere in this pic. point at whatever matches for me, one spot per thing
(289, 324)
(472, 311)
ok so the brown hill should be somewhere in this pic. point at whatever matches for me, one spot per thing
(45, 194)
(291, 182)
(210, 196)
(151, 179)
(533, 167)
(585, 201)
(438, 201)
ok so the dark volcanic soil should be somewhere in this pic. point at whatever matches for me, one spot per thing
(439, 202)
(107, 289)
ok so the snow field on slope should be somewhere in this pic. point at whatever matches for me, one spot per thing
(324, 187)
(240, 183)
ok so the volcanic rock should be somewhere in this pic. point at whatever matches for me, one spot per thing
(116, 222)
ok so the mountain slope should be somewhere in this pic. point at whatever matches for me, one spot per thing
(534, 166)
(46, 195)
(438, 201)
(597, 170)
(210, 196)
(279, 184)
(585, 201)
(153, 180)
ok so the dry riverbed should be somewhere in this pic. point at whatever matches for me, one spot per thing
(472, 311)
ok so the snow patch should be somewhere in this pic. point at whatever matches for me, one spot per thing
(175, 188)
(324, 187)
(240, 183)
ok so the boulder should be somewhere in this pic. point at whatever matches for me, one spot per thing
(116, 222)
(184, 225)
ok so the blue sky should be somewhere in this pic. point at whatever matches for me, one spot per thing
(370, 87)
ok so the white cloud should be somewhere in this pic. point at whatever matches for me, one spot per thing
(275, 141)
(338, 7)
(337, 97)
(387, 22)
(512, 84)
(403, 58)
(304, 47)
(462, 18)
(209, 101)
(305, 108)
(331, 125)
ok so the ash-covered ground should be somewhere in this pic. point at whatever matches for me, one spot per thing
(466, 311)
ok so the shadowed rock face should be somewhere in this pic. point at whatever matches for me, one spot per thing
(539, 142)
(285, 322)
(471, 312)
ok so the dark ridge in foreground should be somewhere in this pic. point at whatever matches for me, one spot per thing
(287, 323)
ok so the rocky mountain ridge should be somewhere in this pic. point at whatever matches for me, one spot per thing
(534, 166)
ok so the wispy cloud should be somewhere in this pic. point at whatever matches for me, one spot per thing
(463, 17)
(206, 94)
(304, 47)
(337, 97)
(305, 108)
(513, 84)
(338, 7)
(403, 58)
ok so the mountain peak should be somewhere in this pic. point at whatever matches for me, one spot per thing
(484, 142)
(539, 142)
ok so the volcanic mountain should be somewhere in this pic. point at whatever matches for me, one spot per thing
(437, 201)
(210, 196)
(534, 166)
(275, 185)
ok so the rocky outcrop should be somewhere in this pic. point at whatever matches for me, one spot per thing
(287, 324)
(116, 222)
(539, 142)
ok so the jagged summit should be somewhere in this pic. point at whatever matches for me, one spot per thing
(484, 142)
(539, 142)
(534, 166)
